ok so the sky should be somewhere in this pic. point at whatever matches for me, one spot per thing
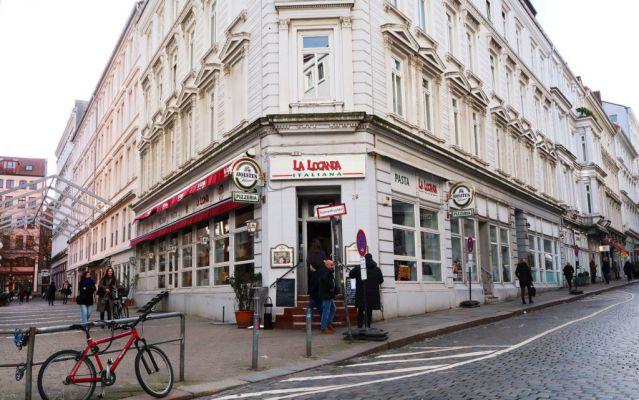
(54, 51)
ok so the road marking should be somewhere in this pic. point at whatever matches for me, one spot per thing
(44, 321)
(382, 372)
(458, 347)
(273, 391)
(413, 353)
(462, 355)
(304, 392)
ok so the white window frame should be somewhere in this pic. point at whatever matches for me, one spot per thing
(499, 243)
(477, 133)
(421, 14)
(456, 121)
(331, 71)
(213, 22)
(427, 100)
(450, 31)
(396, 84)
(470, 49)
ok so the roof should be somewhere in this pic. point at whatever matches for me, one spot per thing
(24, 166)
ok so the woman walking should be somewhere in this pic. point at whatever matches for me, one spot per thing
(85, 296)
(524, 275)
(105, 298)
(51, 289)
(368, 300)
(66, 291)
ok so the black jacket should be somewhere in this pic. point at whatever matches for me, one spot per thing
(374, 278)
(85, 292)
(605, 267)
(325, 284)
(51, 289)
(523, 273)
(315, 260)
(569, 271)
(627, 268)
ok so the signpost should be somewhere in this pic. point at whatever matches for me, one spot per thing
(462, 213)
(470, 303)
(331, 211)
(244, 197)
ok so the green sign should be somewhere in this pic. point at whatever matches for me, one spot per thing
(242, 197)
(462, 213)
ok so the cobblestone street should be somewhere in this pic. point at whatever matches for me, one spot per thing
(580, 350)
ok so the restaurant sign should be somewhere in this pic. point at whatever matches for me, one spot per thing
(416, 183)
(332, 166)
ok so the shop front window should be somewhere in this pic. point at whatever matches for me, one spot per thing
(243, 240)
(404, 241)
(142, 257)
(221, 252)
(460, 230)
(186, 254)
(151, 255)
(499, 254)
(162, 264)
(202, 255)
(430, 244)
(172, 274)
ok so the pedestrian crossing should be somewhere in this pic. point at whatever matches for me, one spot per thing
(39, 314)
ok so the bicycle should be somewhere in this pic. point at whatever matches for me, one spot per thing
(120, 310)
(70, 374)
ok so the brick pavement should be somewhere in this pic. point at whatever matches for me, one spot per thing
(213, 365)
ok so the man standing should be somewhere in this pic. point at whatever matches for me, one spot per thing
(593, 271)
(367, 296)
(569, 272)
(523, 273)
(51, 289)
(27, 292)
(627, 270)
(605, 270)
(615, 269)
(326, 293)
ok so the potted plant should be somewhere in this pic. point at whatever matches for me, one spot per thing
(242, 282)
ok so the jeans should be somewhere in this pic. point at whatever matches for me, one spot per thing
(328, 313)
(315, 304)
(86, 311)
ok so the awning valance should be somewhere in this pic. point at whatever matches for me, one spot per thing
(189, 220)
(207, 181)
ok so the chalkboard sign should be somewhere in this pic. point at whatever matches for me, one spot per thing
(285, 293)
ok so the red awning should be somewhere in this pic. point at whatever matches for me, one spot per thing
(209, 180)
(190, 220)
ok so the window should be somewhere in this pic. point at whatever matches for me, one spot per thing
(588, 199)
(421, 13)
(430, 246)
(142, 257)
(192, 48)
(316, 66)
(396, 77)
(173, 70)
(186, 258)
(518, 39)
(28, 167)
(504, 24)
(19, 242)
(30, 243)
(509, 85)
(212, 22)
(476, 133)
(500, 254)
(392, 2)
(470, 50)
(404, 241)
(460, 229)
(428, 107)
(533, 56)
(1, 183)
(584, 153)
(202, 260)
(9, 183)
(172, 274)
(493, 71)
(522, 98)
(212, 115)
(162, 257)
(221, 250)
(613, 118)
(456, 127)
(21, 202)
(450, 33)
(489, 11)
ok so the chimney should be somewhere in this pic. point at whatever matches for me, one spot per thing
(597, 95)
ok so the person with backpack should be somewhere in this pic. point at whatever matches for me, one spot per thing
(367, 294)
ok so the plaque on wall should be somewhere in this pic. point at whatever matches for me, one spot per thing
(285, 293)
(282, 256)
(351, 255)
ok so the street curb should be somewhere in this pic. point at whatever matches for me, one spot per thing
(367, 349)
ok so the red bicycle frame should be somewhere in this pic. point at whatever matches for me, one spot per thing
(92, 347)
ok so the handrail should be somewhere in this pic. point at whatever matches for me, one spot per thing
(299, 264)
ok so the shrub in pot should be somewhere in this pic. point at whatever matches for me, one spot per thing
(243, 282)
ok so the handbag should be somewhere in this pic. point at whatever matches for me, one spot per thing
(533, 291)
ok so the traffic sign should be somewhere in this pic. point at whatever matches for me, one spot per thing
(470, 244)
(360, 240)
(330, 211)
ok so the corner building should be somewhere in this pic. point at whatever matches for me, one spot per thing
(380, 105)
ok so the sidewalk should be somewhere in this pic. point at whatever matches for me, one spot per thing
(218, 366)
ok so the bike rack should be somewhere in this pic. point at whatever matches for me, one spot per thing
(33, 332)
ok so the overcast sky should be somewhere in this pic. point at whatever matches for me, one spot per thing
(54, 51)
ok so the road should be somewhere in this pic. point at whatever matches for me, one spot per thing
(580, 350)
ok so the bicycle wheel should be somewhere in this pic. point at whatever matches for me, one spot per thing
(52, 378)
(154, 371)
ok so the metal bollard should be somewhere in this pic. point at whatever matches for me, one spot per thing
(256, 332)
(29, 373)
(309, 322)
(182, 345)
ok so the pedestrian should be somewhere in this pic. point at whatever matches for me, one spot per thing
(523, 273)
(593, 271)
(50, 293)
(21, 294)
(605, 270)
(616, 269)
(627, 270)
(326, 293)
(315, 262)
(86, 289)
(27, 292)
(66, 291)
(105, 298)
(367, 296)
(569, 272)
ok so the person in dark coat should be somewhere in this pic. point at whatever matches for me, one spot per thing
(616, 270)
(605, 270)
(66, 291)
(593, 271)
(315, 262)
(86, 289)
(51, 289)
(368, 300)
(108, 284)
(627, 270)
(326, 293)
(523, 273)
(569, 272)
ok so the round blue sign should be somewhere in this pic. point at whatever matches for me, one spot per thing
(360, 240)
